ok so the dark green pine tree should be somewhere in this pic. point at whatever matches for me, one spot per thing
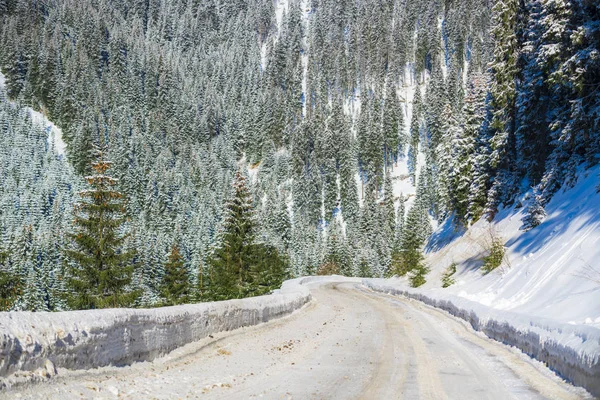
(410, 257)
(10, 284)
(416, 229)
(268, 270)
(392, 124)
(175, 287)
(230, 262)
(396, 253)
(241, 267)
(10, 289)
(101, 268)
(364, 270)
(503, 90)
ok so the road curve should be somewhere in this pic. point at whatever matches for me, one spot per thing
(349, 343)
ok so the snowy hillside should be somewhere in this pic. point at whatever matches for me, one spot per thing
(361, 126)
(54, 133)
(552, 271)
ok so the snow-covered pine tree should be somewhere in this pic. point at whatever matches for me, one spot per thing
(230, 263)
(393, 123)
(446, 164)
(505, 72)
(465, 146)
(34, 292)
(534, 213)
(533, 99)
(417, 228)
(337, 259)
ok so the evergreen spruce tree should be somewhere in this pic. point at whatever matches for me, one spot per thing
(480, 182)
(388, 208)
(337, 258)
(534, 214)
(230, 263)
(175, 287)
(503, 92)
(101, 268)
(10, 284)
(239, 266)
(409, 258)
(364, 269)
(393, 123)
(268, 270)
(465, 145)
(34, 292)
(396, 252)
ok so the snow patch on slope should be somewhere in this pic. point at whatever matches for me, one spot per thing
(55, 138)
(306, 24)
(401, 181)
(281, 7)
(552, 271)
(54, 133)
(263, 57)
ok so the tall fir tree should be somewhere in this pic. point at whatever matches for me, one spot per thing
(101, 268)
(230, 263)
(175, 287)
(240, 266)
(503, 90)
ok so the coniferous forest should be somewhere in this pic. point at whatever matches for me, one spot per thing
(216, 148)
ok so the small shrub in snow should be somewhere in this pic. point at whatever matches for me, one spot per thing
(10, 289)
(447, 279)
(417, 275)
(328, 268)
(534, 214)
(495, 256)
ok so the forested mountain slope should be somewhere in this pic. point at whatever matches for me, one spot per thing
(326, 105)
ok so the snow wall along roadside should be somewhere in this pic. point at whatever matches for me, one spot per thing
(572, 351)
(39, 342)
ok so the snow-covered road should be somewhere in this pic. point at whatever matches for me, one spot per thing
(347, 343)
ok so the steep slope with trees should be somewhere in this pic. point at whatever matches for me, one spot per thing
(322, 102)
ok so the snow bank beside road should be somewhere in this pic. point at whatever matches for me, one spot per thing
(573, 351)
(32, 345)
